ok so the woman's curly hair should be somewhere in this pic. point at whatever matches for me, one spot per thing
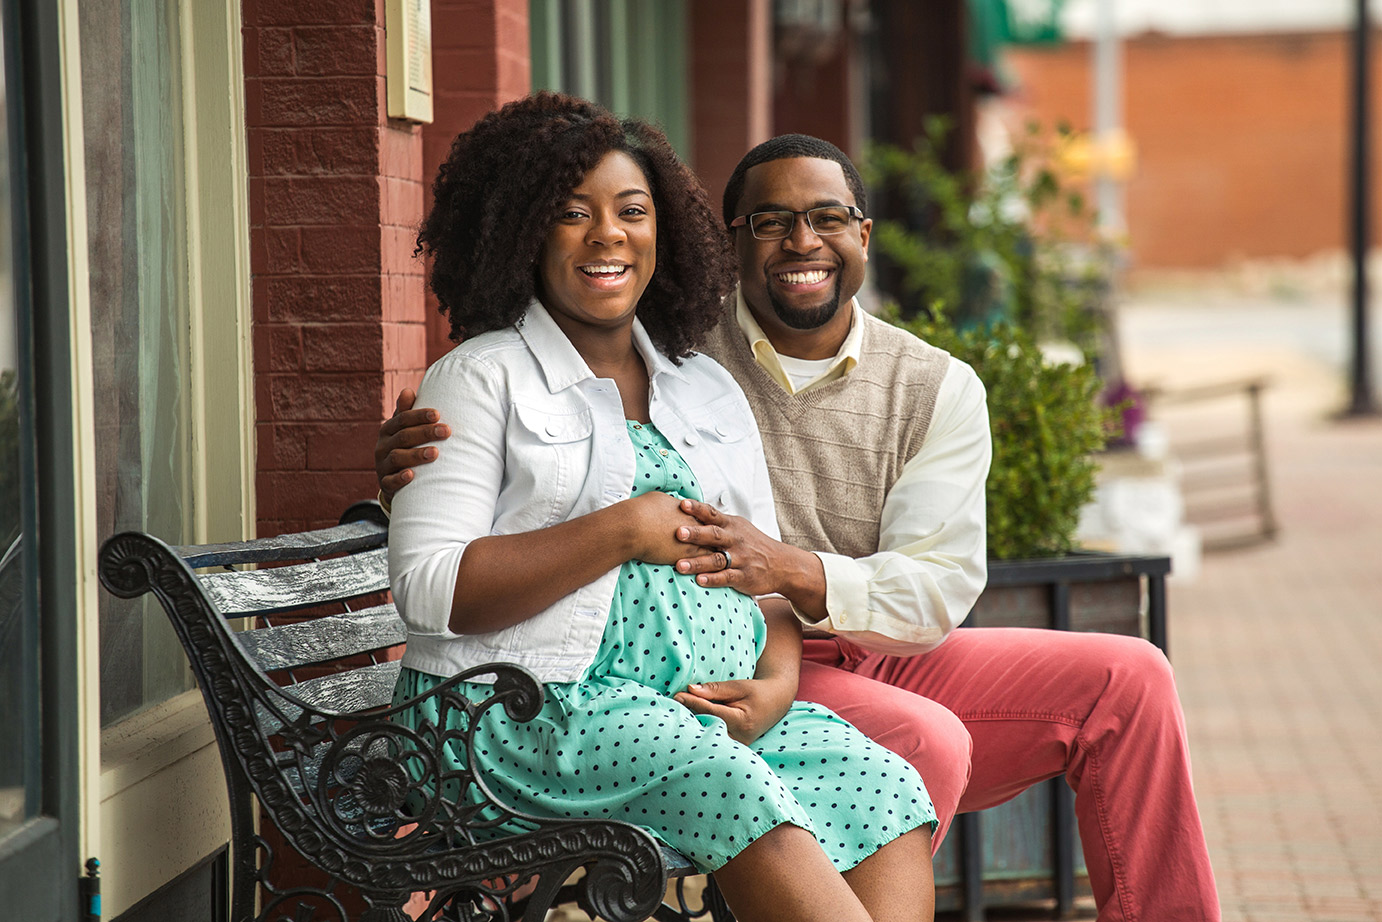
(500, 192)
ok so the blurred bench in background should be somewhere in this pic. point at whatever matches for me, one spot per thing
(1215, 433)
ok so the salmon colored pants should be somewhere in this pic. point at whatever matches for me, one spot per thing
(992, 711)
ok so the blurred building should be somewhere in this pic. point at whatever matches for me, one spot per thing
(211, 301)
(1238, 113)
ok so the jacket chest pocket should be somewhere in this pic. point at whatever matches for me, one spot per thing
(719, 436)
(547, 461)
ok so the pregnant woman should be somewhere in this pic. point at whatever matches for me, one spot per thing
(579, 263)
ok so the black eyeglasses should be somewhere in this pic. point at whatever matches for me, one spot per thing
(775, 225)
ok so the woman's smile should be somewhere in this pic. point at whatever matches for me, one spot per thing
(608, 276)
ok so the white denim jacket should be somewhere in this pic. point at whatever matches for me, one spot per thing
(540, 440)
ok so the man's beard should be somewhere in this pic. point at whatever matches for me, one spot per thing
(809, 318)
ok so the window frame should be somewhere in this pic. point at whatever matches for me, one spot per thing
(627, 55)
(39, 863)
(152, 785)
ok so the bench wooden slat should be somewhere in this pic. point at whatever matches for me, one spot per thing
(301, 586)
(323, 542)
(677, 865)
(366, 687)
(336, 636)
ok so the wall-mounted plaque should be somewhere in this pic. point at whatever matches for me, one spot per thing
(408, 59)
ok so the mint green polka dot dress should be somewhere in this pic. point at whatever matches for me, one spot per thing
(615, 745)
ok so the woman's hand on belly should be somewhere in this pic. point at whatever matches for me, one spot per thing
(653, 520)
(747, 706)
(503, 580)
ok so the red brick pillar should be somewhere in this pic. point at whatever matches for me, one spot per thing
(731, 73)
(816, 93)
(335, 198)
(480, 60)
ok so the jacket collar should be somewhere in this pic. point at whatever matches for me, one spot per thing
(562, 366)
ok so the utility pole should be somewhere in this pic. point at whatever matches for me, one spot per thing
(1361, 402)
(1108, 119)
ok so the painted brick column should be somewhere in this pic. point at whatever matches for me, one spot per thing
(335, 199)
(731, 77)
(480, 60)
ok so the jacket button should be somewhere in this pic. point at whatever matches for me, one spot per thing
(720, 430)
(724, 499)
(691, 438)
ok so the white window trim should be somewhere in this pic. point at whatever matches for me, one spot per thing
(152, 788)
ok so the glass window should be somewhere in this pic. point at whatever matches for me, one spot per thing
(132, 109)
(19, 713)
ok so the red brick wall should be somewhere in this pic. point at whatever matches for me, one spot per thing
(335, 196)
(1242, 141)
(813, 97)
(480, 60)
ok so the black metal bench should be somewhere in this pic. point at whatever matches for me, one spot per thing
(301, 701)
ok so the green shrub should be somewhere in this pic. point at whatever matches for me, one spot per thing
(992, 247)
(1047, 423)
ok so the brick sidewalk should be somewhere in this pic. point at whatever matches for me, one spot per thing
(1277, 652)
(1278, 648)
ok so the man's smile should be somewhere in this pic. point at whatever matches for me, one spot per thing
(809, 277)
(803, 279)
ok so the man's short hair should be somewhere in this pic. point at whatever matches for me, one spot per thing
(785, 147)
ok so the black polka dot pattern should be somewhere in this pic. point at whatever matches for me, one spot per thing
(616, 745)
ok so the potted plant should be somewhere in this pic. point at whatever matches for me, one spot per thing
(988, 268)
(1047, 423)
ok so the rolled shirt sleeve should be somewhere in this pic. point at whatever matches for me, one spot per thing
(452, 500)
(931, 562)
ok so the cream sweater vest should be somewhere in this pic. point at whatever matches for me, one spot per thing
(836, 450)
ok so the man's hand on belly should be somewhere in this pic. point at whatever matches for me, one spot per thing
(759, 565)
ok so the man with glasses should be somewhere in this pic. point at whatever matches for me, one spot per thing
(878, 447)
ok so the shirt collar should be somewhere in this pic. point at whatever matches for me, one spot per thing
(562, 366)
(766, 356)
